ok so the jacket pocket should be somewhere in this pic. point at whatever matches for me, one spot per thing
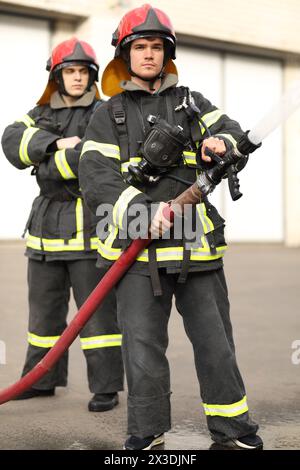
(69, 220)
(31, 224)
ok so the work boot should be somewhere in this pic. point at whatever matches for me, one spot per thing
(33, 392)
(103, 401)
(249, 442)
(146, 443)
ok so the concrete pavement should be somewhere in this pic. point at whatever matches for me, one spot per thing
(264, 287)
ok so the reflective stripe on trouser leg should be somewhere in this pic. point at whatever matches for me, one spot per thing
(143, 320)
(104, 364)
(209, 328)
(48, 285)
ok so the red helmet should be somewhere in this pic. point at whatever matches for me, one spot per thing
(142, 22)
(70, 52)
(66, 54)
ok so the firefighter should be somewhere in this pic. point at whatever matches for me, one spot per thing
(61, 243)
(142, 148)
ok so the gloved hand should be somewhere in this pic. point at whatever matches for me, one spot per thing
(160, 224)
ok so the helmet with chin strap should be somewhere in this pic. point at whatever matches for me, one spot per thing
(141, 22)
(144, 22)
(69, 53)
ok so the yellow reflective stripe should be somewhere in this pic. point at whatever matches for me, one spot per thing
(42, 341)
(23, 149)
(103, 341)
(62, 165)
(228, 411)
(27, 120)
(189, 158)
(60, 244)
(132, 161)
(94, 243)
(79, 218)
(210, 119)
(122, 203)
(112, 236)
(228, 137)
(108, 252)
(207, 224)
(108, 150)
(165, 254)
(52, 245)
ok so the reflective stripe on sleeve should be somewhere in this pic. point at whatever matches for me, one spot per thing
(26, 120)
(122, 203)
(210, 119)
(108, 150)
(132, 161)
(23, 149)
(63, 165)
(189, 158)
(228, 137)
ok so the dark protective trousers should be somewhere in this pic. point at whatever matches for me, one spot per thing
(203, 304)
(49, 294)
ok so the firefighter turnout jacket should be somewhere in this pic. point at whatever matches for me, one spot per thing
(59, 226)
(104, 166)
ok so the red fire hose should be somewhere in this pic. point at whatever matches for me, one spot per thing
(113, 275)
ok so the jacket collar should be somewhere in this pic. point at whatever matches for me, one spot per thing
(56, 101)
(169, 81)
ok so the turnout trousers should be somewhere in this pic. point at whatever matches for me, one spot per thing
(49, 294)
(203, 304)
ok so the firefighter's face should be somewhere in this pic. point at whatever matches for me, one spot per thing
(146, 57)
(75, 79)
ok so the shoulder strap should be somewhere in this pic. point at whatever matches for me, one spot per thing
(119, 117)
(187, 104)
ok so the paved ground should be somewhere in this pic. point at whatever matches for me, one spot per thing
(264, 286)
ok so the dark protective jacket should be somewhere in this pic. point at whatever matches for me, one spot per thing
(102, 170)
(60, 226)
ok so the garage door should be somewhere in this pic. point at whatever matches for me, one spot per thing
(25, 45)
(244, 88)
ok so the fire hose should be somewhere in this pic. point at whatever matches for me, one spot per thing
(205, 184)
(109, 280)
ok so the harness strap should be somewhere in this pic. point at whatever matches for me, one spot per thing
(154, 274)
(119, 116)
(86, 227)
(185, 264)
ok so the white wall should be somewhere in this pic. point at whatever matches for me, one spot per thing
(244, 87)
(251, 87)
(24, 52)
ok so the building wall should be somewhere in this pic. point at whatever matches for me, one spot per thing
(265, 27)
(271, 24)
